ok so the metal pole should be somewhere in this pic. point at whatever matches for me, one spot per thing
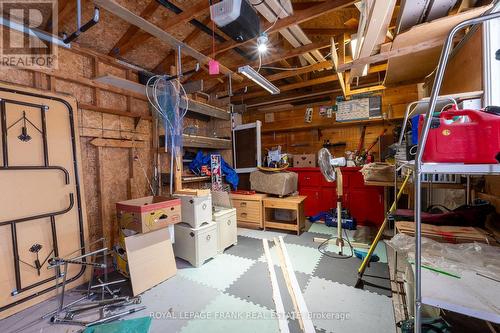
(63, 288)
(78, 15)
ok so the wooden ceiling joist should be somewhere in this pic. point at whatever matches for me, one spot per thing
(430, 44)
(293, 97)
(327, 31)
(133, 30)
(271, 10)
(287, 54)
(141, 36)
(159, 33)
(298, 17)
(377, 24)
(312, 82)
(169, 59)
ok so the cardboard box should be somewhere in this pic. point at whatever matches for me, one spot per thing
(304, 161)
(149, 213)
(120, 254)
(150, 259)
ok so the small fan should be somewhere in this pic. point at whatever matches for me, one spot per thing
(330, 168)
(327, 164)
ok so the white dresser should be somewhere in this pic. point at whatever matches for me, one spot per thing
(225, 218)
(195, 245)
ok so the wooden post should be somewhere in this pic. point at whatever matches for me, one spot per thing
(100, 189)
(174, 70)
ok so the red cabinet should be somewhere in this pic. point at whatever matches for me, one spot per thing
(365, 203)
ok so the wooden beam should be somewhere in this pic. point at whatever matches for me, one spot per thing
(286, 64)
(114, 143)
(305, 4)
(278, 302)
(287, 54)
(335, 63)
(436, 42)
(327, 31)
(164, 36)
(66, 9)
(313, 82)
(206, 109)
(112, 111)
(196, 141)
(327, 64)
(166, 24)
(297, 18)
(256, 103)
(293, 86)
(366, 90)
(376, 30)
(169, 59)
(146, 13)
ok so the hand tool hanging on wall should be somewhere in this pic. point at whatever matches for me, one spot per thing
(362, 158)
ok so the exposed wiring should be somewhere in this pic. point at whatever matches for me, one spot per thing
(336, 256)
(260, 62)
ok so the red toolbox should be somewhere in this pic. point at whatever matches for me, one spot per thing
(463, 136)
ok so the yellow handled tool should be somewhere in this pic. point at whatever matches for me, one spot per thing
(366, 260)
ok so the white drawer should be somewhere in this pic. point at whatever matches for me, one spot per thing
(195, 245)
(196, 211)
(226, 228)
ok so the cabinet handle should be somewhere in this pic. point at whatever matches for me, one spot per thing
(243, 214)
(243, 204)
(209, 237)
(228, 222)
(204, 206)
(191, 201)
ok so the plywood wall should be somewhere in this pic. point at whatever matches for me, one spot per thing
(289, 130)
(109, 174)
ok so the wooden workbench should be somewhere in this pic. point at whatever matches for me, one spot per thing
(292, 203)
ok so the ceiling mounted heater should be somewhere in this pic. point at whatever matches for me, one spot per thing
(236, 18)
(253, 75)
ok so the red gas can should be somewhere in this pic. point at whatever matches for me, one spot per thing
(471, 138)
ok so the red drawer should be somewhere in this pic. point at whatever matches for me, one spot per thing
(310, 179)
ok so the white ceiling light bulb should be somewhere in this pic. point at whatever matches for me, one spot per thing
(262, 43)
(262, 48)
